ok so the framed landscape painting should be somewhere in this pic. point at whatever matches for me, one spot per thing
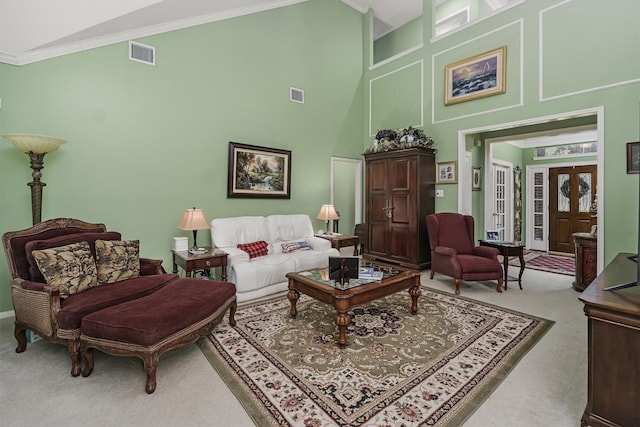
(476, 77)
(258, 172)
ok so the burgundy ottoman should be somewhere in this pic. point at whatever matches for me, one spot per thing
(147, 327)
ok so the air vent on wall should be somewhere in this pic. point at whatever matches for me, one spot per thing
(296, 95)
(142, 53)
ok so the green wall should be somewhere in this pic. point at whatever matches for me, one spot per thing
(549, 71)
(147, 142)
(395, 42)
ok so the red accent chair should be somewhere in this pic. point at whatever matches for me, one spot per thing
(454, 254)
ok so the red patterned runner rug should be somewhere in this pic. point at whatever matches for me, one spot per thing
(434, 368)
(552, 263)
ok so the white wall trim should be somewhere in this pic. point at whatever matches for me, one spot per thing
(396, 56)
(421, 62)
(357, 183)
(520, 103)
(7, 314)
(599, 113)
(472, 22)
(541, 96)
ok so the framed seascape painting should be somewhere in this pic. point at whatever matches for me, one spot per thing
(258, 172)
(633, 157)
(476, 178)
(476, 77)
(447, 172)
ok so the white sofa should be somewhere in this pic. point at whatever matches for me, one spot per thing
(266, 275)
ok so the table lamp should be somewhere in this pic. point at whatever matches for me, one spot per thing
(36, 146)
(194, 219)
(327, 213)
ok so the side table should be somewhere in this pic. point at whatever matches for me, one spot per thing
(342, 241)
(205, 261)
(508, 249)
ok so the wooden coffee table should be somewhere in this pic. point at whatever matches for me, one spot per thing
(316, 284)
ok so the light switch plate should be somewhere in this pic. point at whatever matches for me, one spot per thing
(439, 193)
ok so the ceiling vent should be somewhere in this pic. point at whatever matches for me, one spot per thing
(296, 95)
(142, 53)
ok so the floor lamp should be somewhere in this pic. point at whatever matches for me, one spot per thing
(36, 146)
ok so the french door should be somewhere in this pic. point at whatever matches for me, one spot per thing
(501, 206)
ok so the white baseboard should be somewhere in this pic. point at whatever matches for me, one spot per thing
(7, 314)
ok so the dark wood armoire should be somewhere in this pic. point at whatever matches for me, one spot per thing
(400, 191)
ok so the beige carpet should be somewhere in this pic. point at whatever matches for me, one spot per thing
(434, 368)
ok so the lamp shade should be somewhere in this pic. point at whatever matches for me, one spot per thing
(39, 144)
(327, 213)
(193, 219)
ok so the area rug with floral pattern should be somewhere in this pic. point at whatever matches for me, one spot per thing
(433, 368)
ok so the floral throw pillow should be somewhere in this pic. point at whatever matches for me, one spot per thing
(117, 260)
(255, 249)
(295, 246)
(70, 268)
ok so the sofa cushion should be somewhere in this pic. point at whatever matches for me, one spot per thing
(70, 268)
(61, 240)
(146, 321)
(288, 247)
(262, 272)
(229, 232)
(255, 249)
(289, 228)
(117, 260)
(74, 308)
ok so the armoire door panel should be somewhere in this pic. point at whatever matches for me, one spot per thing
(377, 176)
(400, 243)
(378, 239)
(402, 208)
(377, 207)
(400, 175)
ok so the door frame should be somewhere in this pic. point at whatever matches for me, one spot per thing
(530, 170)
(489, 199)
(463, 134)
(357, 165)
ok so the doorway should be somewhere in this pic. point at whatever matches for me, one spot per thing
(555, 123)
(346, 192)
(571, 193)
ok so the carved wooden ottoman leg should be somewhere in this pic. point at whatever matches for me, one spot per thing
(150, 367)
(87, 369)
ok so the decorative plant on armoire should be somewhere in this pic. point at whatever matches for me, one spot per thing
(400, 139)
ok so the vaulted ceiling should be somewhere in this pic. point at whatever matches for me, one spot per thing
(38, 29)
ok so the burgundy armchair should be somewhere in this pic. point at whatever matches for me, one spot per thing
(454, 254)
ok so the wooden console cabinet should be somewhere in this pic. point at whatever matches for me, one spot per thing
(613, 347)
(586, 251)
(400, 191)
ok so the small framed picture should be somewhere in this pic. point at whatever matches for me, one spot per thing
(447, 172)
(633, 157)
(476, 178)
(493, 235)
